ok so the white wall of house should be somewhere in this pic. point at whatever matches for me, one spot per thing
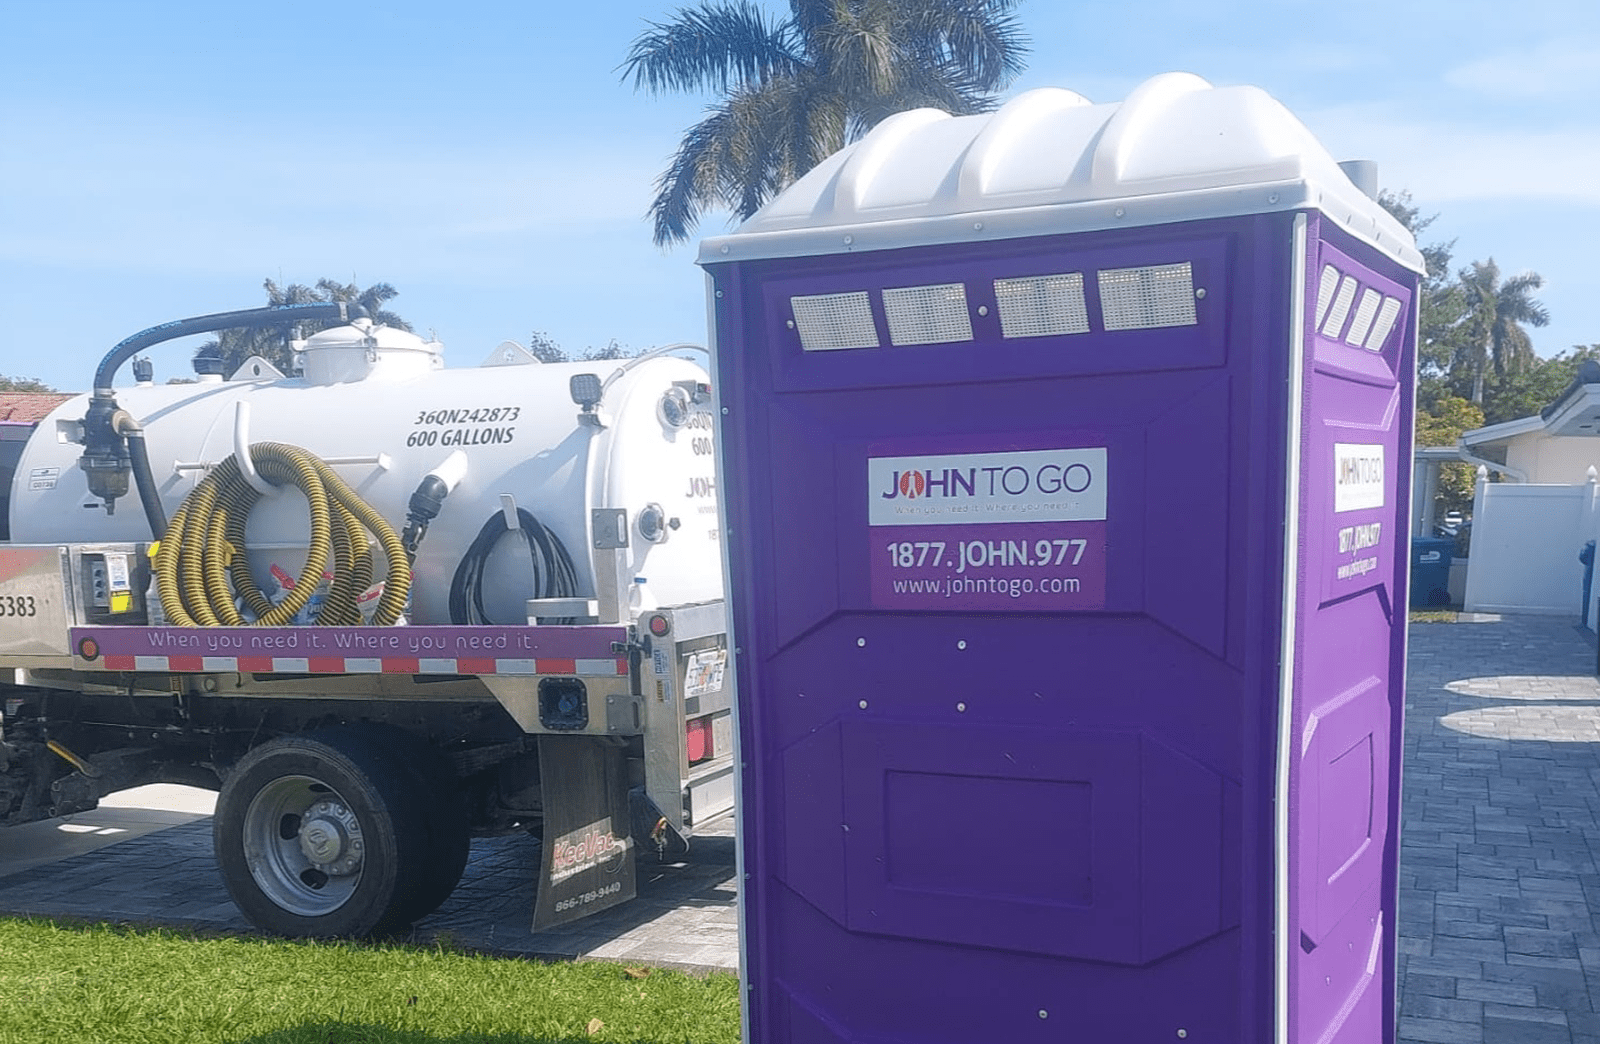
(1525, 543)
(1553, 458)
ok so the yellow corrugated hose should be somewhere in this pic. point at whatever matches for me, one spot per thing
(204, 548)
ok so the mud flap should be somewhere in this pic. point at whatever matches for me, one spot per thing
(586, 863)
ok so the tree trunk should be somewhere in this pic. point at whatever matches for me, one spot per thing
(1484, 351)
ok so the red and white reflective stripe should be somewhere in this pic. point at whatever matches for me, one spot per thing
(366, 665)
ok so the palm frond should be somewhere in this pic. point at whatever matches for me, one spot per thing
(796, 90)
(807, 17)
(1516, 302)
(932, 87)
(978, 40)
(712, 46)
(1513, 350)
(691, 181)
(858, 52)
(1492, 317)
(823, 125)
(761, 153)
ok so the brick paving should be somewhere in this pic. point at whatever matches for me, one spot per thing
(1499, 942)
(1498, 886)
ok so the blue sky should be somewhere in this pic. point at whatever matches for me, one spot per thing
(159, 159)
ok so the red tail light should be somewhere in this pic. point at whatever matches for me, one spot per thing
(698, 735)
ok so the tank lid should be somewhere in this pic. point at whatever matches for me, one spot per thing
(1049, 161)
(364, 333)
(363, 349)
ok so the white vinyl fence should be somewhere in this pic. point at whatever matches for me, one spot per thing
(1525, 544)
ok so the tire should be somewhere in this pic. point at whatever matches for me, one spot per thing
(446, 819)
(326, 835)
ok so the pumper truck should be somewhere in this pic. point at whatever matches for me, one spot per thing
(382, 606)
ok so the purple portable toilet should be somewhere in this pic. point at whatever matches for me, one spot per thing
(1065, 495)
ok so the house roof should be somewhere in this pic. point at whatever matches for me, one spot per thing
(1588, 373)
(29, 407)
(1502, 432)
(1575, 412)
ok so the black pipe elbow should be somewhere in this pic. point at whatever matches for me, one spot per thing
(247, 318)
(423, 508)
(106, 460)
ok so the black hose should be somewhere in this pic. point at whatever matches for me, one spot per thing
(145, 481)
(104, 458)
(554, 575)
(247, 317)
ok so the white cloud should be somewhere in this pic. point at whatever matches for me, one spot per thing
(1554, 69)
(1448, 160)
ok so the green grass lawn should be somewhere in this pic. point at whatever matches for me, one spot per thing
(63, 982)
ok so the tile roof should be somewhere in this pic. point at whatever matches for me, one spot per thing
(29, 407)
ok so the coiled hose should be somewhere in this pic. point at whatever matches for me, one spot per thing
(204, 548)
(554, 574)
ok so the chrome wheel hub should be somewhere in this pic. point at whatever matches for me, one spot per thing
(330, 838)
(304, 845)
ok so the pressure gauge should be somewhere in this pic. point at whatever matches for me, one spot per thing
(674, 408)
(653, 523)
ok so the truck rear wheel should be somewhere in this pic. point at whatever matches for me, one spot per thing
(325, 834)
(449, 843)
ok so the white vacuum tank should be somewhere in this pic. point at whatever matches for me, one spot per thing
(377, 404)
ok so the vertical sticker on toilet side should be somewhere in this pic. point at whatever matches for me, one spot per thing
(1357, 476)
(1360, 555)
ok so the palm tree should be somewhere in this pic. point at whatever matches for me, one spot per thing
(796, 89)
(233, 347)
(1495, 313)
